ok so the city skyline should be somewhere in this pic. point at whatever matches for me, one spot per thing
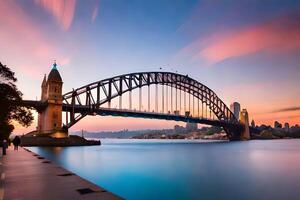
(246, 52)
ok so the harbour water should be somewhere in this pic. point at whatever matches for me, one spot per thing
(180, 169)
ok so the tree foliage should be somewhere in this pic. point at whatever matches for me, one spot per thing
(11, 108)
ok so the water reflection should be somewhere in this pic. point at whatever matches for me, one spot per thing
(183, 170)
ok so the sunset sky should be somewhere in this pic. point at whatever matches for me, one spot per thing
(246, 51)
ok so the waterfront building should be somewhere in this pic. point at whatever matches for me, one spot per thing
(235, 107)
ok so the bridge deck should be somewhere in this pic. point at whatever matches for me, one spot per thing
(25, 176)
(148, 115)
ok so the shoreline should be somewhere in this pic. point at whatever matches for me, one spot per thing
(189, 140)
(26, 171)
(57, 142)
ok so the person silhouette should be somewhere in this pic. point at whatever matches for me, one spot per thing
(16, 141)
(4, 147)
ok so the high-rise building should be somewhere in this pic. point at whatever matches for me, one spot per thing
(235, 107)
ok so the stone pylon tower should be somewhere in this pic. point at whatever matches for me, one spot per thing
(50, 120)
(44, 89)
(244, 119)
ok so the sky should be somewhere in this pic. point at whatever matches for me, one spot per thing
(245, 51)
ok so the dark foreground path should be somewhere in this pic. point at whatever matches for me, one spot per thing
(25, 175)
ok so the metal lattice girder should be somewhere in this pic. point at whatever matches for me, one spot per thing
(128, 82)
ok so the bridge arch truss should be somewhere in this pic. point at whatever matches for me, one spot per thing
(86, 100)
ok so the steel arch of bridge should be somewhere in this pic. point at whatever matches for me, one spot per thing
(116, 86)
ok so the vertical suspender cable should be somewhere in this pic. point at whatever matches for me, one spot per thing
(162, 98)
(148, 98)
(156, 98)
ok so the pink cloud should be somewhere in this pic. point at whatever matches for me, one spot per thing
(24, 46)
(62, 10)
(21, 38)
(277, 36)
(95, 12)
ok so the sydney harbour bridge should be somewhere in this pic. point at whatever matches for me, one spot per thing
(152, 95)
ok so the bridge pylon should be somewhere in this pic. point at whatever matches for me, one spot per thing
(50, 119)
(244, 120)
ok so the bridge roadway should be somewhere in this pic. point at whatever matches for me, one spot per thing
(26, 175)
(39, 105)
(148, 115)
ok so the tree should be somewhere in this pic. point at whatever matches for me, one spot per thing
(11, 108)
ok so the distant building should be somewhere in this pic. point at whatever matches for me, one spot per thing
(253, 123)
(286, 127)
(277, 125)
(179, 129)
(187, 113)
(190, 127)
(295, 130)
(235, 107)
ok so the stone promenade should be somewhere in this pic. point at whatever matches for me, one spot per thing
(27, 176)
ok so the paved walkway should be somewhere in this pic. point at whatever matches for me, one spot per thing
(25, 175)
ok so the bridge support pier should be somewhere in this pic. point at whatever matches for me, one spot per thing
(244, 120)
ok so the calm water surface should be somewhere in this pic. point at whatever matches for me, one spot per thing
(166, 169)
